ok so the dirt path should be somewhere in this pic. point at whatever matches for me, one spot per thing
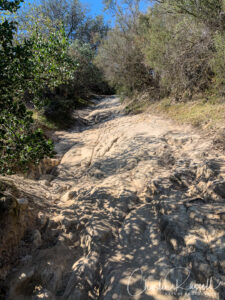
(135, 210)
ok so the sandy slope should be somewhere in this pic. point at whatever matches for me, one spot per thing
(135, 210)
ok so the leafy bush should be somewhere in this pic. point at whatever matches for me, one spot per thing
(40, 69)
(51, 65)
(119, 55)
(78, 24)
(59, 111)
(87, 77)
(64, 67)
(210, 12)
(178, 50)
(20, 144)
(122, 62)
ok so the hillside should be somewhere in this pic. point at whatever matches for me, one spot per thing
(134, 199)
(112, 150)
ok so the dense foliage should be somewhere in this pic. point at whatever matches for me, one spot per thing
(46, 64)
(122, 61)
(176, 48)
(120, 55)
(73, 76)
(74, 16)
(86, 76)
(218, 61)
(20, 144)
(53, 57)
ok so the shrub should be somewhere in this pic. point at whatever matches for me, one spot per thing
(178, 50)
(122, 62)
(218, 62)
(20, 144)
(87, 77)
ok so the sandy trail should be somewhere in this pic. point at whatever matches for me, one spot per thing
(135, 210)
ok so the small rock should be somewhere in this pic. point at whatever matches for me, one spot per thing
(69, 195)
(222, 216)
(204, 173)
(42, 219)
(46, 182)
(7, 203)
(219, 189)
(26, 259)
(47, 177)
(23, 203)
(213, 260)
(42, 294)
(37, 240)
(220, 253)
(174, 244)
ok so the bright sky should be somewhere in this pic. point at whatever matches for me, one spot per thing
(96, 7)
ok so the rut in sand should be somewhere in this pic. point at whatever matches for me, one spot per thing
(134, 210)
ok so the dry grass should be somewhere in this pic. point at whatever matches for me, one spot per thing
(208, 114)
(136, 104)
(205, 113)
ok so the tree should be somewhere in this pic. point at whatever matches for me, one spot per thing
(122, 61)
(73, 15)
(20, 143)
(51, 64)
(177, 44)
(210, 12)
(179, 50)
(119, 55)
(126, 12)
(69, 12)
(87, 76)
